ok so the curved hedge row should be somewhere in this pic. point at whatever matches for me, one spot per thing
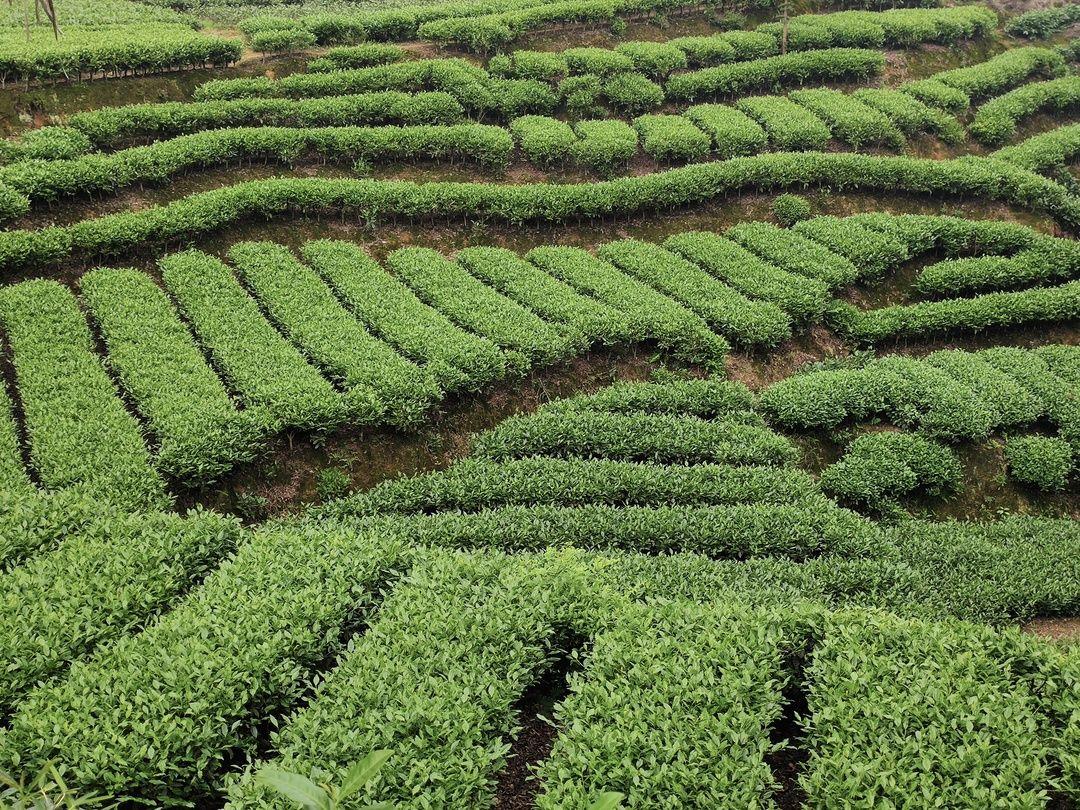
(1049, 152)
(375, 199)
(792, 68)
(1037, 305)
(995, 121)
(1001, 72)
(108, 126)
(92, 174)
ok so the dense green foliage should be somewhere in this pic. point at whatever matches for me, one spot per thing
(373, 199)
(995, 121)
(77, 428)
(1043, 462)
(200, 432)
(1042, 22)
(879, 467)
(789, 69)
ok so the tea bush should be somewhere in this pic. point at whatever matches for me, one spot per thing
(732, 131)
(200, 432)
(742, 319)
(877, 468)
(379, 382)
(670, 138)
(995, 121)
(264, 369)
(790, 126)
(604, 146)
(1043, 462)
(78, 431)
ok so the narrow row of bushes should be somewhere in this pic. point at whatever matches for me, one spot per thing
(112, 126)
(995, 121)
(523, 336)
(955, 89)
(659, 438)
(454, 358)
(1047, 261)
(470, 485)
(78, 430)
(86, 52)
(260, 366)
(1051, 153)
(374, 200)
(953, 394)
(849, 119)
(117, 574)
(379, 383)
(740, 318)
(849, 64)
(992, 310)
(46, 181)
(199, 431)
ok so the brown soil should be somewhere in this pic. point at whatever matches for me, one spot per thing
(285, 477)
(1055, 629)
(788, 762)
(517, 788)
(757, 371)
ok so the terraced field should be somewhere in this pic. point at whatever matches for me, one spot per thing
(517, 403)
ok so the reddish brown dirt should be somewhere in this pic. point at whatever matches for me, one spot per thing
(1055, 629)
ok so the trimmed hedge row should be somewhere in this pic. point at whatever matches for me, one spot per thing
(1000, 72)
(872, 252)
(743, 531)
(1046, 261)
(85, 52)
(453, 357)
(380, 384)
(468, 302)
(995, 121)
(737, 317)
(78, 431)
(652, 315)
(792, 68)
(800, 297)
(716, 735)
(733, 132)
(103, 582)
(658, 438)
(264, 369)
(895, 27)
(109, 126)
(849, 119)
(236, 649)
(545, 141)
(32, 522)
(910, 115)
(877, 468)
(668, 138)
(951, 394)
(1050, 152)
(357, 56)
(552, 299)
(604, 146)
(791, 251)
(791, 127)
(473, 484)
(1035, 305)
(377, 199)
(199, 430)
(50, 180)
